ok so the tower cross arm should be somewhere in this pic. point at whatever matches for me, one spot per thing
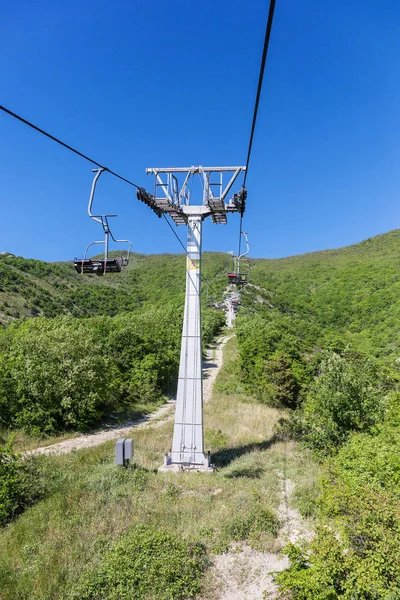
(193, 170)
(172, 192)
(232, 181)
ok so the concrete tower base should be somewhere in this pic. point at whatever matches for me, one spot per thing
(173, 467)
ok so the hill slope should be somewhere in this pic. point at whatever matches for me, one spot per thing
(352, 291)
(31, 288)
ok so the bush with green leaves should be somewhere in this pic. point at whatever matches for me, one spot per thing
(347, 395)
(145, 565)
(58, 375)
(21, 484)
(271, 363)
(67, 373)
(360, 562)
(357, 554)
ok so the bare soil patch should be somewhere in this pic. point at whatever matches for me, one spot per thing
(246, 574)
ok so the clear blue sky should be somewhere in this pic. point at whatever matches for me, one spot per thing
(172, 82)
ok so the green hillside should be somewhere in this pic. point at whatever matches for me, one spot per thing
(311, 383)
(31, 288)
(318, 335)
(353, 292)
(97, 345)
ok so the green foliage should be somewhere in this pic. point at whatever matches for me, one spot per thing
(320, 578)
(70, 371)
(57, 373)
(144, 565)
(215, 439)
(319, 334)
(270, 362)
(372, 459)
(67, 373)
(281, 387)
(21, 484)
(351, 293)
(347, 395)
(360, 498)
(361, 563)
(34, 288)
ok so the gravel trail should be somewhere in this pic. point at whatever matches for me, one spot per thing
(244, 573)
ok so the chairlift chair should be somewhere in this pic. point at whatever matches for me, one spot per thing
(236, 277)
(99, 266)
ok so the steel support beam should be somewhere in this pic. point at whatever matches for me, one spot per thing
(187, 444)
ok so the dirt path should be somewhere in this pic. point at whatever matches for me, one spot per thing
(244, 573)
(210, 371)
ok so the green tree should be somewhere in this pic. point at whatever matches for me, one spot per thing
(347, 395)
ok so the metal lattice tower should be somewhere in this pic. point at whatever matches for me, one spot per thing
(172, 196)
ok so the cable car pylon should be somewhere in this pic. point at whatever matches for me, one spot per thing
(172, 196)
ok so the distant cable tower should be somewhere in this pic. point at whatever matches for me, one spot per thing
(174, 198)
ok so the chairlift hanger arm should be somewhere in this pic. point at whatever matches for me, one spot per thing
(247, 245)
(92, 244)
(97, 218)
(123, 242)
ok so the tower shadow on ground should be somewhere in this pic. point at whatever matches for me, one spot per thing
(222, 458)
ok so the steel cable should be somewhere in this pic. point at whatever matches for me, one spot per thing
(257, 102)
(58, 141)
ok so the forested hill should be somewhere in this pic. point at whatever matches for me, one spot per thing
(31, 288)
(352, 293)
(98, 345)
(318, 335)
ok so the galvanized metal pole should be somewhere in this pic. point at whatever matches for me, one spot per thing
(230, 313)
(188, 443)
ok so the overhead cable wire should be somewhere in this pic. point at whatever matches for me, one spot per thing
(257, 102)
(175, 234)
(58, 141)
(91, 160)
(260, 82)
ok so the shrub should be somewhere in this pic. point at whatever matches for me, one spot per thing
(361, 563)
(347, 396)
(279, 387)
(145, 565)
(61, 377)
(20, 484)
(215, 439)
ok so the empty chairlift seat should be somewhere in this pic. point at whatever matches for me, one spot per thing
(100, 266)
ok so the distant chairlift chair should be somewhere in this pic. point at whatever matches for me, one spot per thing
(99, 266)
(236, 277)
